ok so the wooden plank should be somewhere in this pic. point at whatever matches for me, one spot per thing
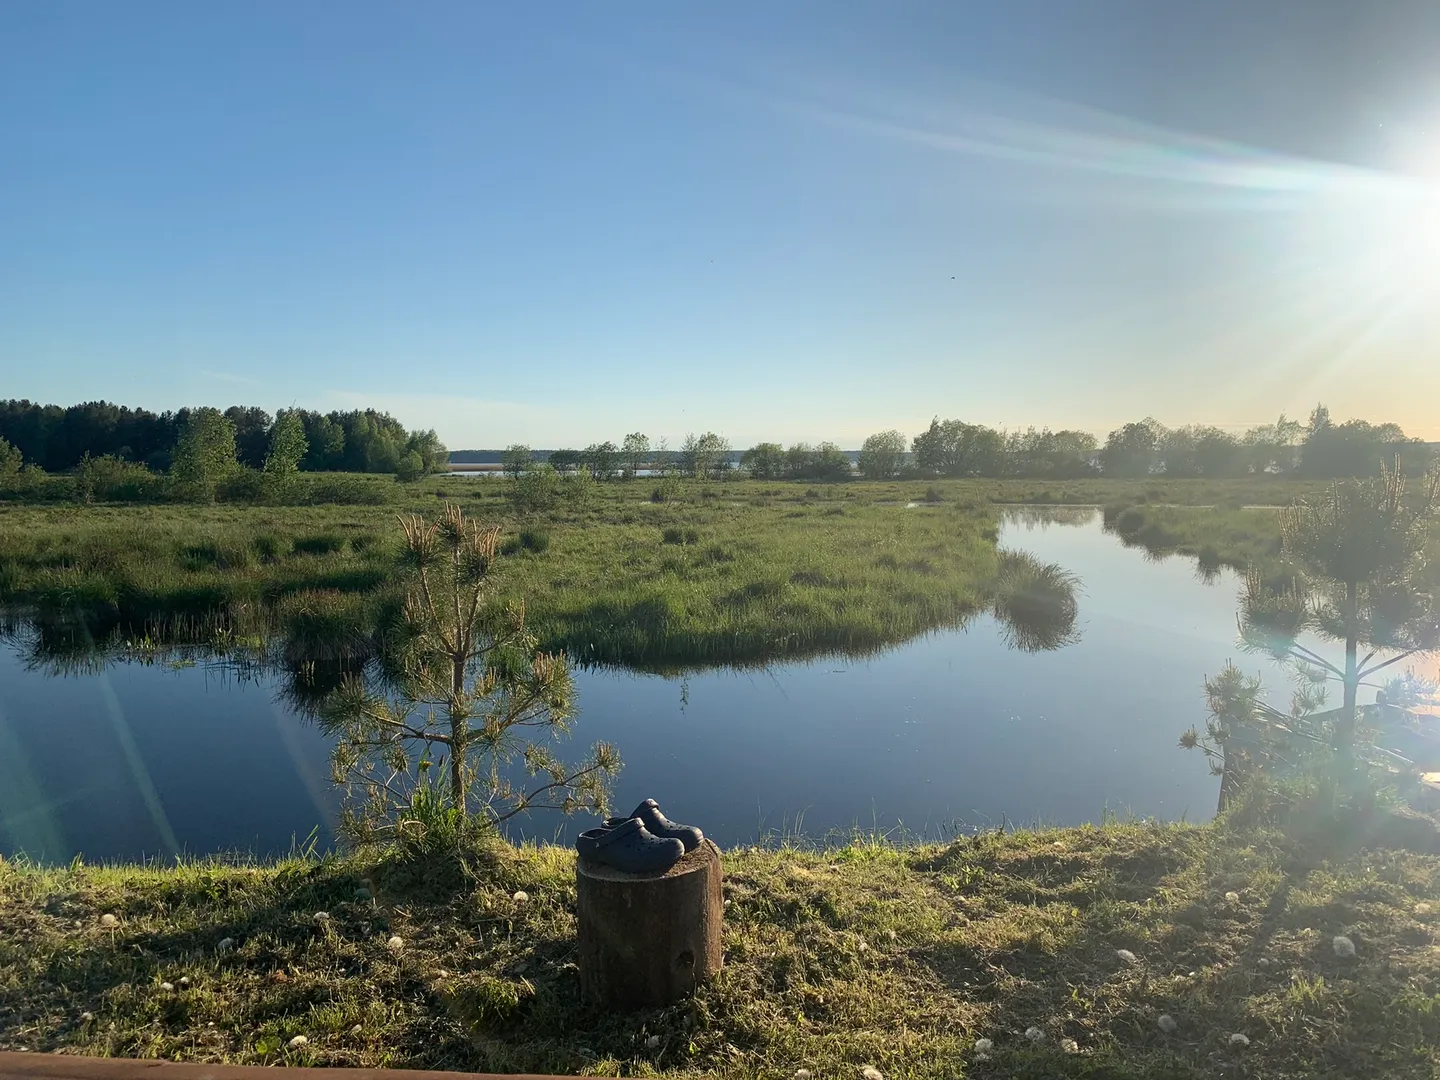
(15, 1066)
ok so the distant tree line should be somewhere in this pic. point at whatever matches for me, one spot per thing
(115, 448)
(58, 439)
(1319, 449)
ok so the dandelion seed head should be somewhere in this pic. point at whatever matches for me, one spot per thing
(1035, 1034)
(652, 1042)
(983, 1046)
(520, 896)
(168, 987)
(802, 1074)
(396, 943)
(109, 921)
(1422, 909)
(1264, 961)
(357, 1029)
(1166, 1023)
(1125, 956)
(1344, 947)
(86, 1017)
(185, 980)
(1069, 1046)
(297, 1042)
(322, 916)
(1232, 897)
(870, 1072)
(1239, 1039)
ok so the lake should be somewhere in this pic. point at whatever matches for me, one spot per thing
(954, 730)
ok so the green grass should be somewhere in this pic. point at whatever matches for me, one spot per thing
(1213, 536)
(866, 953)
(722, 572)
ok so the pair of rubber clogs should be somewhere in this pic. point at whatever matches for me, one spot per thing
(645, 842)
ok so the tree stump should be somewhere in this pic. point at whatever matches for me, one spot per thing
(649, 939)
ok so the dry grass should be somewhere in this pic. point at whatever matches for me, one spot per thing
(836, 958)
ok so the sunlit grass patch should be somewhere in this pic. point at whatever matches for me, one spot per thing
(921, 962)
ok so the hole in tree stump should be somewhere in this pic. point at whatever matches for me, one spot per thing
(686, 959)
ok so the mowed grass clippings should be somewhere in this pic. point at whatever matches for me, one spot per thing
(862, 954)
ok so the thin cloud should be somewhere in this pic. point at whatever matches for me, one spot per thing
(1073, 138)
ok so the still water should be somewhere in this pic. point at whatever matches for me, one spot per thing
(952, 729)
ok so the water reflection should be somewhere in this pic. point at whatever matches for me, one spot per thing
(1054, 704)
(1032, 516)
(1035, 604)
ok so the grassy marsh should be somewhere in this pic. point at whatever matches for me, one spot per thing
(717, 572)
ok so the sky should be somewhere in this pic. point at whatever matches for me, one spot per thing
(559, 223)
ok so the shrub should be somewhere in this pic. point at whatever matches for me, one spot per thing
(536, 489)
(243, 486)
(410, 467)
(578, 488)
(112, 479)
(345, 491)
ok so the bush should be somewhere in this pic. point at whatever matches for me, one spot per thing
(243, 486)
(668, 490)
(537, 489)
(345, 491)
(410, 467)
(578, 488)
(112, 479)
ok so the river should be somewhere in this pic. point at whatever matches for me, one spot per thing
(953, 730)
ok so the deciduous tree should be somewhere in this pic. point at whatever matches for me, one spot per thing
(635, 453)
(288, 446)
(516, 460)
(600, 459)
(764, 461)
(882, 454)
(205, 453)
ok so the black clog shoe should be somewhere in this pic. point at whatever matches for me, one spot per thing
(659, 825)
(629, 846)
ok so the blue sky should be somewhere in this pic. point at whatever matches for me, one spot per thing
(558, 223)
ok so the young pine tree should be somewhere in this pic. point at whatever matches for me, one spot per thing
(474, 706)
